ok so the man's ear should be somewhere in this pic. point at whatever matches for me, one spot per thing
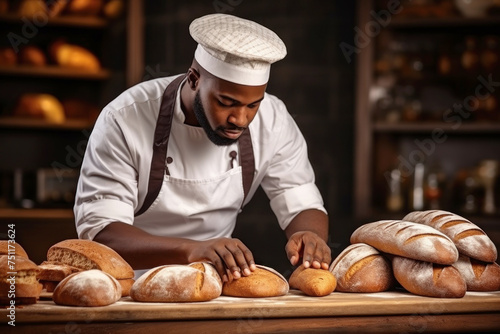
(193, 78)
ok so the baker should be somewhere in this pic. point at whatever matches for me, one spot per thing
(172, 161)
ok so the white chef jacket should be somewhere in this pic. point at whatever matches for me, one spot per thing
(115, 171)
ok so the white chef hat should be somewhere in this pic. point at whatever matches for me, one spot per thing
(235, 49)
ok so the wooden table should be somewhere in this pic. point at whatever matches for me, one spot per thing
(387, 312)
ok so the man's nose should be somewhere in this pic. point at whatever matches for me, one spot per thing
(239, 117)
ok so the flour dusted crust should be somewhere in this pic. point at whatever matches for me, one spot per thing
(313, 282)
(361, 268)
(428, 279)
(479, 276)
(87, 288)
(407, 239)
(87, 254)
(469, 239)
(177, 283)
(263, 282)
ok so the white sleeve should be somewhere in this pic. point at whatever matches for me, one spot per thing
(289, 181)
(107, 187)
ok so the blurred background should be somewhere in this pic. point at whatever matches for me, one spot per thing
(398, 101)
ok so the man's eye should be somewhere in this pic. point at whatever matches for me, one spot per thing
(223, 104)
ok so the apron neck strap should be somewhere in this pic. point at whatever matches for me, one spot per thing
(160, 145)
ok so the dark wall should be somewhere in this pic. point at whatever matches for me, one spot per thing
(315, 82)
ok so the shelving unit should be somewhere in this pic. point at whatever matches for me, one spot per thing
(34, 143)
(396, 141)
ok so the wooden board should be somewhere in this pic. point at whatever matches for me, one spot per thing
(294, 304)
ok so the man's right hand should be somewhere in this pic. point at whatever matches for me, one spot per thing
(230, 257)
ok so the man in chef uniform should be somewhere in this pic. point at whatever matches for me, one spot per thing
(172, 161)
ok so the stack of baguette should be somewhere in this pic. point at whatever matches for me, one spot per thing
(72, 258)
(430, 253)
(18, 275)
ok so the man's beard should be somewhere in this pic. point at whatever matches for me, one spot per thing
(201, 116)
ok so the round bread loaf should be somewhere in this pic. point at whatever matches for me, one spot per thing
(407, 239)
(313, 282)
(196, 282)
(479, 276)
(87, 254)
(263, 282)
(469, 239)
(361, 268)
(87, 288)
(428, 279)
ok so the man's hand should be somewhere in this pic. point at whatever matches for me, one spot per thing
(230, 257)
(311, 248)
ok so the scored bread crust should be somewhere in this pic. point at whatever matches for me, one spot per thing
(18, 250)
(313, 282)
(479, 276)
(87, 288)
(428, 279)
(469, 239)
(263, 282)
(361, 268)
(177, 283)
(407, 239)
(87, 254)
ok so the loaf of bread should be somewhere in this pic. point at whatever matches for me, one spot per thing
(41, 106)
(87, 254)
(73, 56)
(428, 279)
(196, 282)
(50, 274)
(469, 239)
(313, 282)
(263, 282)
(87, 288)
(479, 276)
(407, 239)
(12, 248)
(362, 268)
(18, 280)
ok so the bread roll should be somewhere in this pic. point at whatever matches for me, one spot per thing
(44, 106)
(407, 239)
(469, 239)
(18, 280)
(32, 55)
(87, 254)
(428, 279)
(263, 282)
(87, 288)
(361, 268)
(14, 249)
(313, 282)
(177, 283)
(479, 276)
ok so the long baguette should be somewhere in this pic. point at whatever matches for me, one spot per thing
(362, 268)
(479, 276)
(428, 279)
(469, 239)
(408, 239)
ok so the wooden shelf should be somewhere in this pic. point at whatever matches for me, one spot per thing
(64, 21)
(12, 213)
(52, 71)
(18, 122)
(428, 127)
(443, 22)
